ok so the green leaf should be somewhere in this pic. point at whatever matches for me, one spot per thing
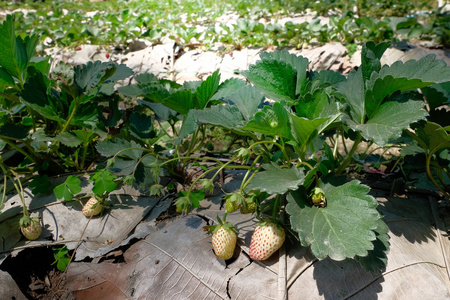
(275, 79)
(68, 139)
(40, 184)
(228, 87)
(181, 101)
(206, 90)
(426, 69)
(376, 259)
(194, 197)
(431, 137)
(5, 78)
(344, 228)
(14, 131)
(248, 99)
(305, 130)
(187, 127)
(276, 180)
(141, 125)
(380, 88)
(391, 118)
(86, 137)
(436, 95)
(298, 63)
(103, 182)
(41, 64)
(353, 91)
(35, 96)
(92, 74)
(68, 189)
(110, 148)
(271, 121)
(62, 263)
(227, 116)
(371, 54)
(13, 53)
(243, 105)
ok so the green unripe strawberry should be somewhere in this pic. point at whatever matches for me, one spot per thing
(31, 228)
(248, 208)
(92, 208)
(233, 202)
(318, 197)
(266, 240)
(231, 206)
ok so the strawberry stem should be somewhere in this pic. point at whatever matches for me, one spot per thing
(19, 188)
(275, 207)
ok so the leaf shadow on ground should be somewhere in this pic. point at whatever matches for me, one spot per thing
(346, 279)
(402, 215)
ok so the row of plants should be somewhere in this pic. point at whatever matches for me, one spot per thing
(147, 134)
(195, 23)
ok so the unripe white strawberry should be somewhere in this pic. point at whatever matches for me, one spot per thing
(266, 240)
(92, 208)
(31, 228)
(223, 238)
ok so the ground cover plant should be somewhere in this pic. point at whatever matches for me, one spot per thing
(193, 23)
(284, 124)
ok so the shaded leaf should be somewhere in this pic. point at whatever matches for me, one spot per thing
(431, 137)
(227, 116)
(35, 96)
(141, 125)
(88, 76)
(40, 184)
(187, 127)
(354, 93)
(5, 78)
(14, 131)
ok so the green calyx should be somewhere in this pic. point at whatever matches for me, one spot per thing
(26, 221)
(222, 224)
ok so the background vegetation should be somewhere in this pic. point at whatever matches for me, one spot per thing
(116, 22)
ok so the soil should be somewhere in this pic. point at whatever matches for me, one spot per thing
(35, 275)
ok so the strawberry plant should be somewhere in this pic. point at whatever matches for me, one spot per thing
(292, 142)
